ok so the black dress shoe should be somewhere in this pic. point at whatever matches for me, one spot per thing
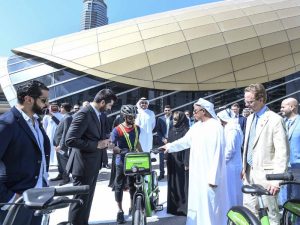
(59, 177)
(107, 166)
(64, 181)
(160, 177)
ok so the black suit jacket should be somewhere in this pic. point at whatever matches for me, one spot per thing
(61, 132)
(161, 128)
(242, 122)
(83, 136)
(20, 155)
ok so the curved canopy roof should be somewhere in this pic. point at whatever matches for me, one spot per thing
(207, 47)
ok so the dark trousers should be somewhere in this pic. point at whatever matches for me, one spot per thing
(120, 181)
(161, 164)
(62, 162)
(104, 157)
(79, 214)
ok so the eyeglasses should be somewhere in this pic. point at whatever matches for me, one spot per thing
(195, 111)
(44, 100)
(249, 102)
(144, 103)
(76, 108)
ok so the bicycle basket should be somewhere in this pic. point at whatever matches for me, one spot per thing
(137, 163)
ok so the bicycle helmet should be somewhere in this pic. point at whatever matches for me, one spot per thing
(128, 110)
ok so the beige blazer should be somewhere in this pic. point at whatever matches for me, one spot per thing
(270, 149)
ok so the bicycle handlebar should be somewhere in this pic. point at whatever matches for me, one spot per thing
(62, 191)
(156, 150)
(280, 176)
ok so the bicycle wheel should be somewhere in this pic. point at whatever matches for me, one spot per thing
(241, 215)
(138, 215)
(289, 218)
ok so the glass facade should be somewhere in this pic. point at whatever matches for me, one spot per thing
(68, 85)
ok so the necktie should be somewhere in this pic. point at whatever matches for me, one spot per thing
(252, 135)
(289, 124)
(102, 119)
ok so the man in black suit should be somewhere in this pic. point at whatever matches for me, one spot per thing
(163, 124)
(59, 142)
(86, 140)
(24, 149)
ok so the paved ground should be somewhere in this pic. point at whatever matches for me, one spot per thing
(104, 208)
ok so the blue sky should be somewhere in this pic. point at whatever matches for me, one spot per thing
(28, 21)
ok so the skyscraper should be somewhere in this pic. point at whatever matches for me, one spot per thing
(94, 14)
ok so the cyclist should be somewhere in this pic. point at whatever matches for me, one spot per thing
(125, 138)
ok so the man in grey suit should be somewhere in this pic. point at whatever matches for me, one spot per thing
(266, 150)
(59, 143)
(86, 140)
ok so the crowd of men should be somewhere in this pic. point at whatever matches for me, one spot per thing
(225, 150)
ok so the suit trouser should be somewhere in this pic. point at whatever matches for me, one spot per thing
(104, 157)
(62, 163)
(161, 163)
(79, 214)
(270, 202)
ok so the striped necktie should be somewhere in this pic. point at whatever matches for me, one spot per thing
(251, 138)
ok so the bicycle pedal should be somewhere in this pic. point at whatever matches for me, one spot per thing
(159, 208)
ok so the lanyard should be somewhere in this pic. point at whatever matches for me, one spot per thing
(126, 135)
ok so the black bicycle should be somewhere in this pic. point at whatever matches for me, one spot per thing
(44, 200)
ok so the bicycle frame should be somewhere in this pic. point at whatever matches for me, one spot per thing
(240, 215)
(139, 166)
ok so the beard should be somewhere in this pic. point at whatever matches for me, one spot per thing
(37, 109)
(130, 122)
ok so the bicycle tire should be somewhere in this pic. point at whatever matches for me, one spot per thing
(245, 214)
(138, 216)
(288, 218)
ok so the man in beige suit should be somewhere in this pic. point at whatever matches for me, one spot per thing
(266, 150)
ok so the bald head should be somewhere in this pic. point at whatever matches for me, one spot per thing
(289, 107)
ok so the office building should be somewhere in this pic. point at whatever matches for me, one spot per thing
(94, 14)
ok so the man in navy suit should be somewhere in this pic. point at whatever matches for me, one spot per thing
(24, 149)
(164, 123)
(59, 140)
(235, 108)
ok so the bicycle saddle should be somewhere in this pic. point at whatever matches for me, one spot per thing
(255, 189)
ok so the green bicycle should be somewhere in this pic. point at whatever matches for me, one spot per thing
(146, 197)
(240, 215)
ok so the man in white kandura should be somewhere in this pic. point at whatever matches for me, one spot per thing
(50, 123)
(208, 197)
(233, 144)
(146, 121)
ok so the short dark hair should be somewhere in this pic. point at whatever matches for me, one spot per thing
(105, 94)
(32, 88)
(67, 106)
(235, 105)
(168, 106)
